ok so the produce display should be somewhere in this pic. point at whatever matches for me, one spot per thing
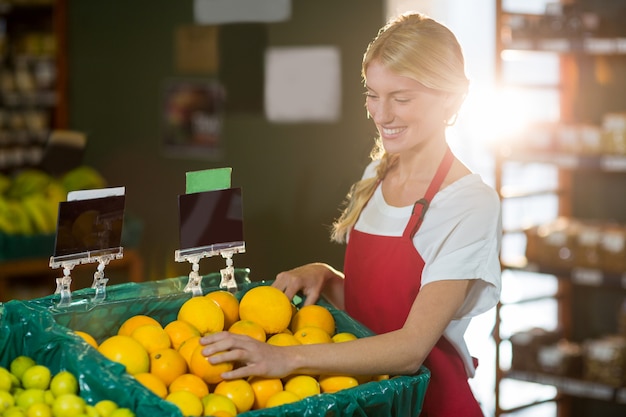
(30, 389)
(29, 200)
(167, 357)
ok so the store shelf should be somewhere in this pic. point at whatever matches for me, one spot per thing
(606, 163)
(577, 275)
(573, 386)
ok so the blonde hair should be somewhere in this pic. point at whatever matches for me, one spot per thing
(418, 47)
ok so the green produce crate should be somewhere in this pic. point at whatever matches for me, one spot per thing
(25, 246)
(399, 396)
(25, 330)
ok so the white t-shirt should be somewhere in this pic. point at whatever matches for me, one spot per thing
(458, 239)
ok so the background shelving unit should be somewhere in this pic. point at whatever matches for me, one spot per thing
(33, 79)
(573, 182)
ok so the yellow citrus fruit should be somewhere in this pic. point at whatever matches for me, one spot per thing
(130, 324)
(334, 383)
(313, 315)
(104, 408)
(167, 364)
(267, 306)
(229, 305)
(151, 337)
(37, 376)
(187, 348)
(153, 383)
(87, 338)
(312, 335)
(187, 402)
(63, 382)
(39, 410)
(238, 390)
(190, 382)
(214, 403)
(200, 365)
(68, 405)
(283, 339)
(179, 331)
(280, 398)
(20, 364)
(248, 328)
(222, 413)
(263, 389)
(303, 386)
(127, 351)
(202, 313)
(343, 337)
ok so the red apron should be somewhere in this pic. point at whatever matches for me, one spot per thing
(383, 275)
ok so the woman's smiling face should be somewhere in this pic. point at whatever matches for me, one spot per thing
(406, 113)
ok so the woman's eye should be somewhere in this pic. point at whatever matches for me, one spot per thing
(403, 100)
(370, 95)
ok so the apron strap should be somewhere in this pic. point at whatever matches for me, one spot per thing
(421, 206)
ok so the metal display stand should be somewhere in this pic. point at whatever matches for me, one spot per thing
(193, 256)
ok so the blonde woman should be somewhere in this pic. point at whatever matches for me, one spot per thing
(422, 231)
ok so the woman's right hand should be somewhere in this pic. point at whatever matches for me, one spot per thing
(309, 279)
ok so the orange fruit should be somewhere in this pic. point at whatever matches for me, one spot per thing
(127, 327)
(283, 339)
(238, 390)
(313, 315)
(303, 386)
(200, 365)
(312, 335)
(202, 313)
(343, 337)
(280, 398)
(179, 331)
(334, 383)
(267, 306)
(229, 305)
(263, 389)
(127, 351)
(190, 382)
(151, 337)
(248, 328)
(188, 346)
(153, 383)
(167, 364)
(87, 338)
(188, 403)
(217, 403)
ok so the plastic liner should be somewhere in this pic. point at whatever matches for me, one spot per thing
(28, 331)
(400, 396)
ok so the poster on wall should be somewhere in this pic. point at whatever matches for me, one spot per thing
(192, 118)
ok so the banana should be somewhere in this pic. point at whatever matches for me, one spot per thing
(83, 178)
(28, 181)
(6, 225)
(37, 208)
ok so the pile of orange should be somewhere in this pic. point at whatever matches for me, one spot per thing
(168, 359)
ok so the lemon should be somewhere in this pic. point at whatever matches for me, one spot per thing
(122, 412)
(214, 403)
(6, 382)
(68, 405)
(29, 397)
(39, 410)
(6, 401)
(105, 407)
(20, 364)
(188, 403)
(64, 382)
(280, 398)
(343, 337)
(37, 376)
(303, 386)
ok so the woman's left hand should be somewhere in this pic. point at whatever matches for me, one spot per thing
(250, 356)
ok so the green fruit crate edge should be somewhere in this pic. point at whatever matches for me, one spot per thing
(40, 329)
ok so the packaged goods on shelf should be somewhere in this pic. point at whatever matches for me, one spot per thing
(525, 347)
(566, 243)
(604, 360)
(563, 358)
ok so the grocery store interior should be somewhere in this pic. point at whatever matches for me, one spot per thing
(140, 94)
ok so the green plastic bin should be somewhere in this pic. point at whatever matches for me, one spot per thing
(399, 396)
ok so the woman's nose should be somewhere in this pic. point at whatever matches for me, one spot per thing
(383, 113)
